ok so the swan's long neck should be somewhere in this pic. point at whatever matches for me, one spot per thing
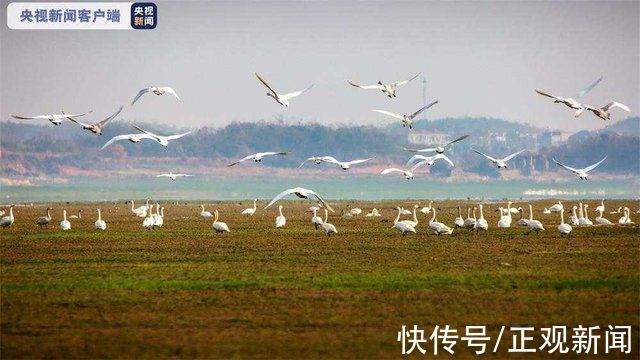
(580, 212)
(468, 213)
(254, 204)
(474, 213)
(415, 217)
(49, 214)
(132, 205)
(99, 215)
(398, 217)
(530, 212)
(315, 212)
(11, 212)
(562, 217)
(64, 215)
(586, 212)
(202, 208)
(459, 212)
(433, 217)
(147, 203)
(280, 210)
(161, 212)
(326, 215)
(481, 213)
(215, 220)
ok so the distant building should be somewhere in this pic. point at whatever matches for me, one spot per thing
(428, 138)
(552, 138)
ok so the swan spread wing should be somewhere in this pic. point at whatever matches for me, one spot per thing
(291, 95)
(414, 158)
(615, 104)
(422, 109)
(398, 83)
(321, 200)
(591, 167)
(420, 150)
(281, 195)
(445, 158)
(77, 115)
(456, 140)
(174, 137)
(399, 117)
(267, 85)
(485, 155)
(31, 117)
(359, 161)
(75, 121)
(248, 157)
(390, 170)
(101, 123)
(376, 86)
(551, 96)
(152, 135)
(513, 155)
(140, 93)
(271, 153)
(170, 90)
(565, 166)
(586, 90)
(418, 164)
(124, 137)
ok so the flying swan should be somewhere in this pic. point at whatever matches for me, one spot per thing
(301, 193)
(581, 173)
(407, 120)
(158, 90)
(282, 99)
(257, 157)
(387, 89)
(97, 127)
(501, 163)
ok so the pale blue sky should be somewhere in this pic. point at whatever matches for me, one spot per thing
(481, 58)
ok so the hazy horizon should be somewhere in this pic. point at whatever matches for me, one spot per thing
(480, 59)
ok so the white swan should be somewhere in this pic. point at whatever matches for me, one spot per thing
(160, 139)
(439, 227)
(301, 193)
(252, 210)
(546, 211)
(148, 221)
(616, 211)
(388, 89)
(281, 221)
(134, 138)
(158, 90)
(407, 120)
(534, 225)
(100, 224)
(581, 173)
(512, 209)
(282, 99)
(581, 220)
(203, 213)
(173, 176)
(55, 119)
(500, 163)
(345, 165)
(257, 157)
(404, 211)
(573, 218)
(414, 221)
(328, 228)
(481, 223)
(354, 211)
(78, 216)
(571, 102)
(586, 215)
(318, 160)
(564, 229)
(8, 220)
(427, 209)
(403, 227)
(158, 219)
(459, 221)
(603, 112)
(439, 149)
(522, 221)
(429, 160)
(219, 226)
(374, 213)
(470, 222)
(505, 218)
(95, 128)
(65, 224)
(316, 220)
(44, 220)
(556, 207)
(601, 220)
(140, 211)
(600, 208)
(408, 174)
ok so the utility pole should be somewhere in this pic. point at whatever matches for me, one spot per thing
(424, 95)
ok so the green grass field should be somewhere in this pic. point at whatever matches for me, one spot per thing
(185, 291)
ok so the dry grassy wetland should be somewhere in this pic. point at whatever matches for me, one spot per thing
(185, 291)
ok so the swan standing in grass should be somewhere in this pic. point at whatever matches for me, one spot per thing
(374, 213)
(257, 157)
(345, 165)
(100, 224)
(522, 221)
(160, 139)
(404, 211)
(581, 220)
(252, 210)
(626, 219)
(556, 207)
(439, 149)
(601, 220)
(505, 218)
(316, 220)
(573, 218)
(97, 127)
(8, 220)
(301, 193)
(203, 213)
(512, 209)
(149, 220)
(65, 224)
(44, 220)
(413, 222)
(281, 221)
(534, 225)
(459, 221)
(546, 211)
(481, 223)
(427, 209)
(354, 211)
(140, 211)
(564, 229)
(429, 160)
(407, 120)
(616, 211)
(282, 99)
(219, 226)
(403, 227)
(600, 208)
(439, 227)
(172, 176)
(388, 89)
(500, 163)
(328, 228)
(603, 112)
(55, 119)
(158, 90)
(408, 174)
(158, 220)
(78, 216)
(581, 173)
(586, 215)
(470, 222)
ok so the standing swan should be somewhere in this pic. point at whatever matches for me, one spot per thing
(316, 220)
(403, 227)
(44, 220)
(8, 220)
(413, 222)
(470, 222)
(100, 224)
(65, 224)
(203, 213)
(534, 225)
(219, 226)
(564, 229)
(459, 221)
(601, 220)
(328, 228)
(281, 221)
(481, 223)
(250, 211)
(149, 220)
(439, 227)
(586, 215)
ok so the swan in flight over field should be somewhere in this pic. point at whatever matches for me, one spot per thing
(408, 174)
(328, 228)
(345, 165)
(219, 226)
(65, 224)
(134, 138)
(501, 163)
(403, 227)
(8, 220)
(203, 213)
(439, 149)
(301, 193)
(257, 157)
(162, 140)
(407, 120)
(387, 89)
(252, 210)
(319, 160)
(158, 90)
(100, 224)
(282, 99)
(97, 127)
(56, 119)
(571, 102)
(281, 221)
(173, 176)
(603, 112)
(581, 173)
(429, 160)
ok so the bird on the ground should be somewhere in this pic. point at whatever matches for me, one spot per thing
(140, 211)
(316, 220)
(326, 226)
(281, 221)
(601, 220)
(65, 224)
(100, 224)
(76, 216)
(564, 229)
(8, 220)
(439, 227)
(427, 209)
(534, 225)
(252, 210)
(459, 221)
(219, 226)
(203, 213)
(403, 227)
(44, 220)
(481, 223)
